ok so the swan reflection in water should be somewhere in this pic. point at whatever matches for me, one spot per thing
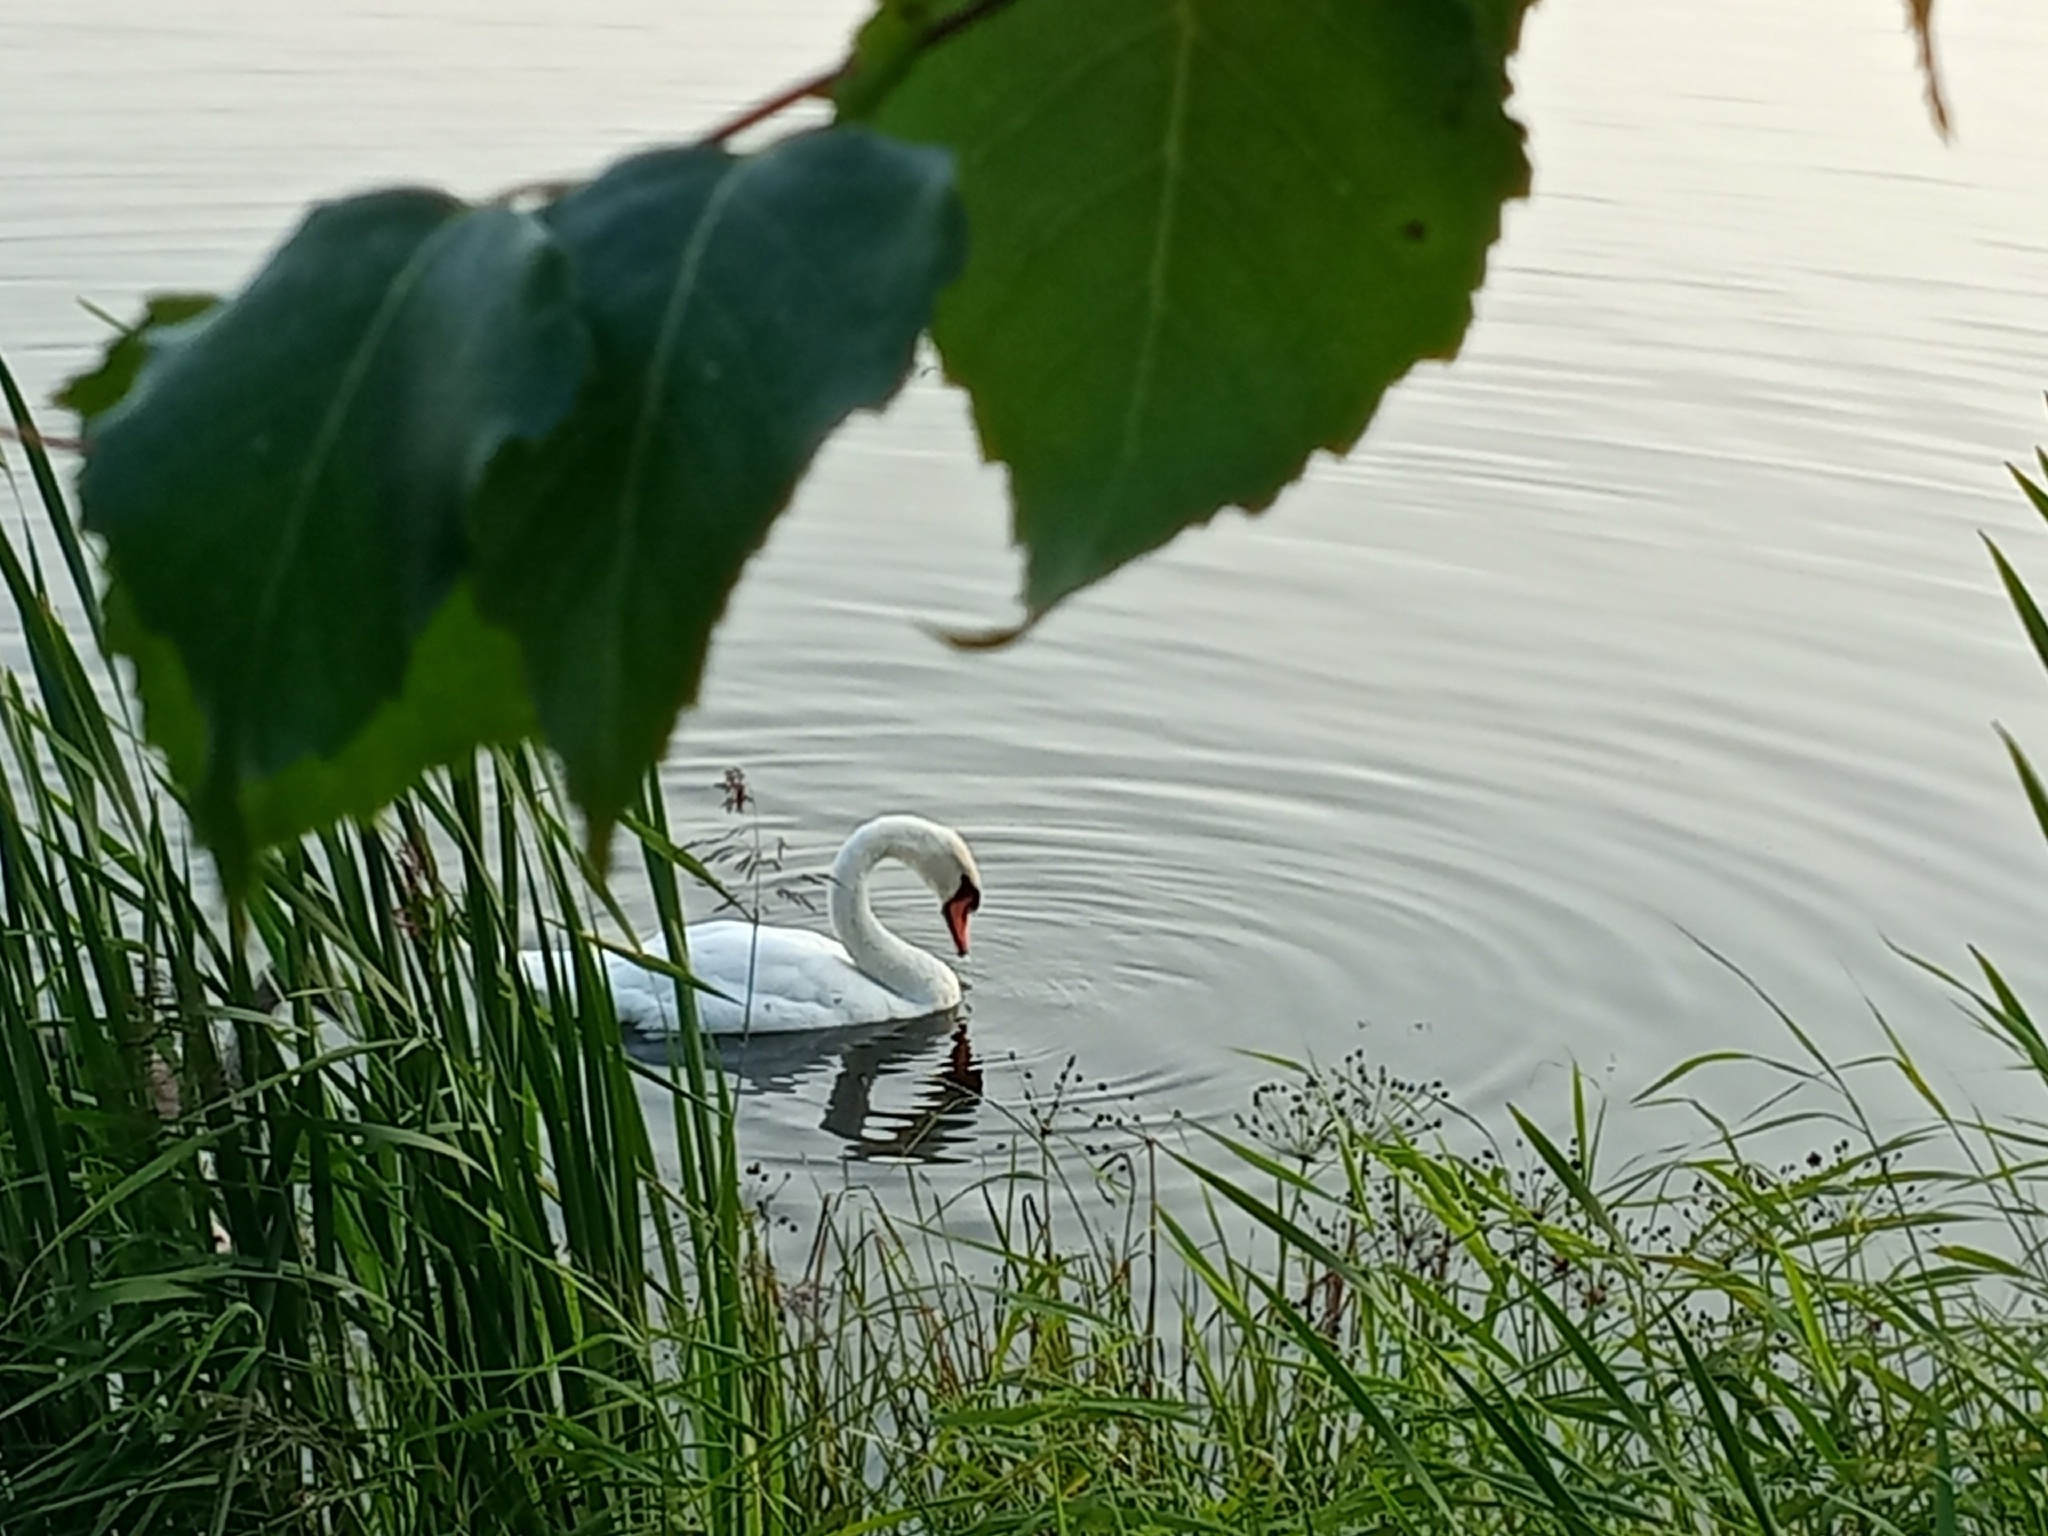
(934, 1051)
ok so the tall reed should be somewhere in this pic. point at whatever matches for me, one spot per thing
(336, 1222)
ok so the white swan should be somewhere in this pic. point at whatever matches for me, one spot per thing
(780, 980)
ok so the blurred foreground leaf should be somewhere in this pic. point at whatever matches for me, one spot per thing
(445, 476)
(741, 307)
(1207, 236)
(283, 491)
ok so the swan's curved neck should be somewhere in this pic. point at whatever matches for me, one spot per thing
(902, 967)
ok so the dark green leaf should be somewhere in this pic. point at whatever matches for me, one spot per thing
(1512, 1430)
(1977, 1258)
(2036, 494)
(2030, 781)
(170, 714)
(741, 309)
(1944, 1482)
(889, 43)
(462, 689)
(1208, 234)
(1725, 1431)
(99, 390)
(1341, 1376)
(283, 491)
(2011, 1016)
(1500, 23)
(2023, 603)
(1568, 1174)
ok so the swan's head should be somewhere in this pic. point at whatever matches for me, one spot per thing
(942, 859)
(938, 855)
(961, 905)
(950, 871)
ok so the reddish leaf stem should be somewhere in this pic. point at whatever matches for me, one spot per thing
(821, 83)
(1920, 14)
(44, 440)
(817, 85)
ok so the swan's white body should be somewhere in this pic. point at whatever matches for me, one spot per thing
(801, 980)
(781, 980)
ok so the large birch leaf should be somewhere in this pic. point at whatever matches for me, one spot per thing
(741, 308)
(283, 491)
(1207, 236)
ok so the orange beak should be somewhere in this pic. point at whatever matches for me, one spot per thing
(959, 907)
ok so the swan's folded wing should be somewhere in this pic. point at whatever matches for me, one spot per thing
(642, 1000)
(800, 980)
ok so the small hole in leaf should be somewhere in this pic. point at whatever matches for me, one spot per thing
(1415, 230)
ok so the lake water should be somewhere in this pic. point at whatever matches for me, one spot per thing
(1659, 619)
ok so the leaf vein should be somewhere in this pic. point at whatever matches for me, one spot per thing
(611, 687)
(1042, 104)
(1162, 246)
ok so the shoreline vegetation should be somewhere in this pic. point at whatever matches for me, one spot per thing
(455, 1293)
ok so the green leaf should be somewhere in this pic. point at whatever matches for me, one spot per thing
(462, 690)
(2037, 494)
(170, 715)
(2031, 618)
(741, 308)
(2030, 781)
(1725, 1431)
(99, 390)
(1207, 236)
(1977, 1258)
(1499, 23)
(888, 44)
(283, 492)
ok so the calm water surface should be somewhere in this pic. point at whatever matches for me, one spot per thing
(1660, 619)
